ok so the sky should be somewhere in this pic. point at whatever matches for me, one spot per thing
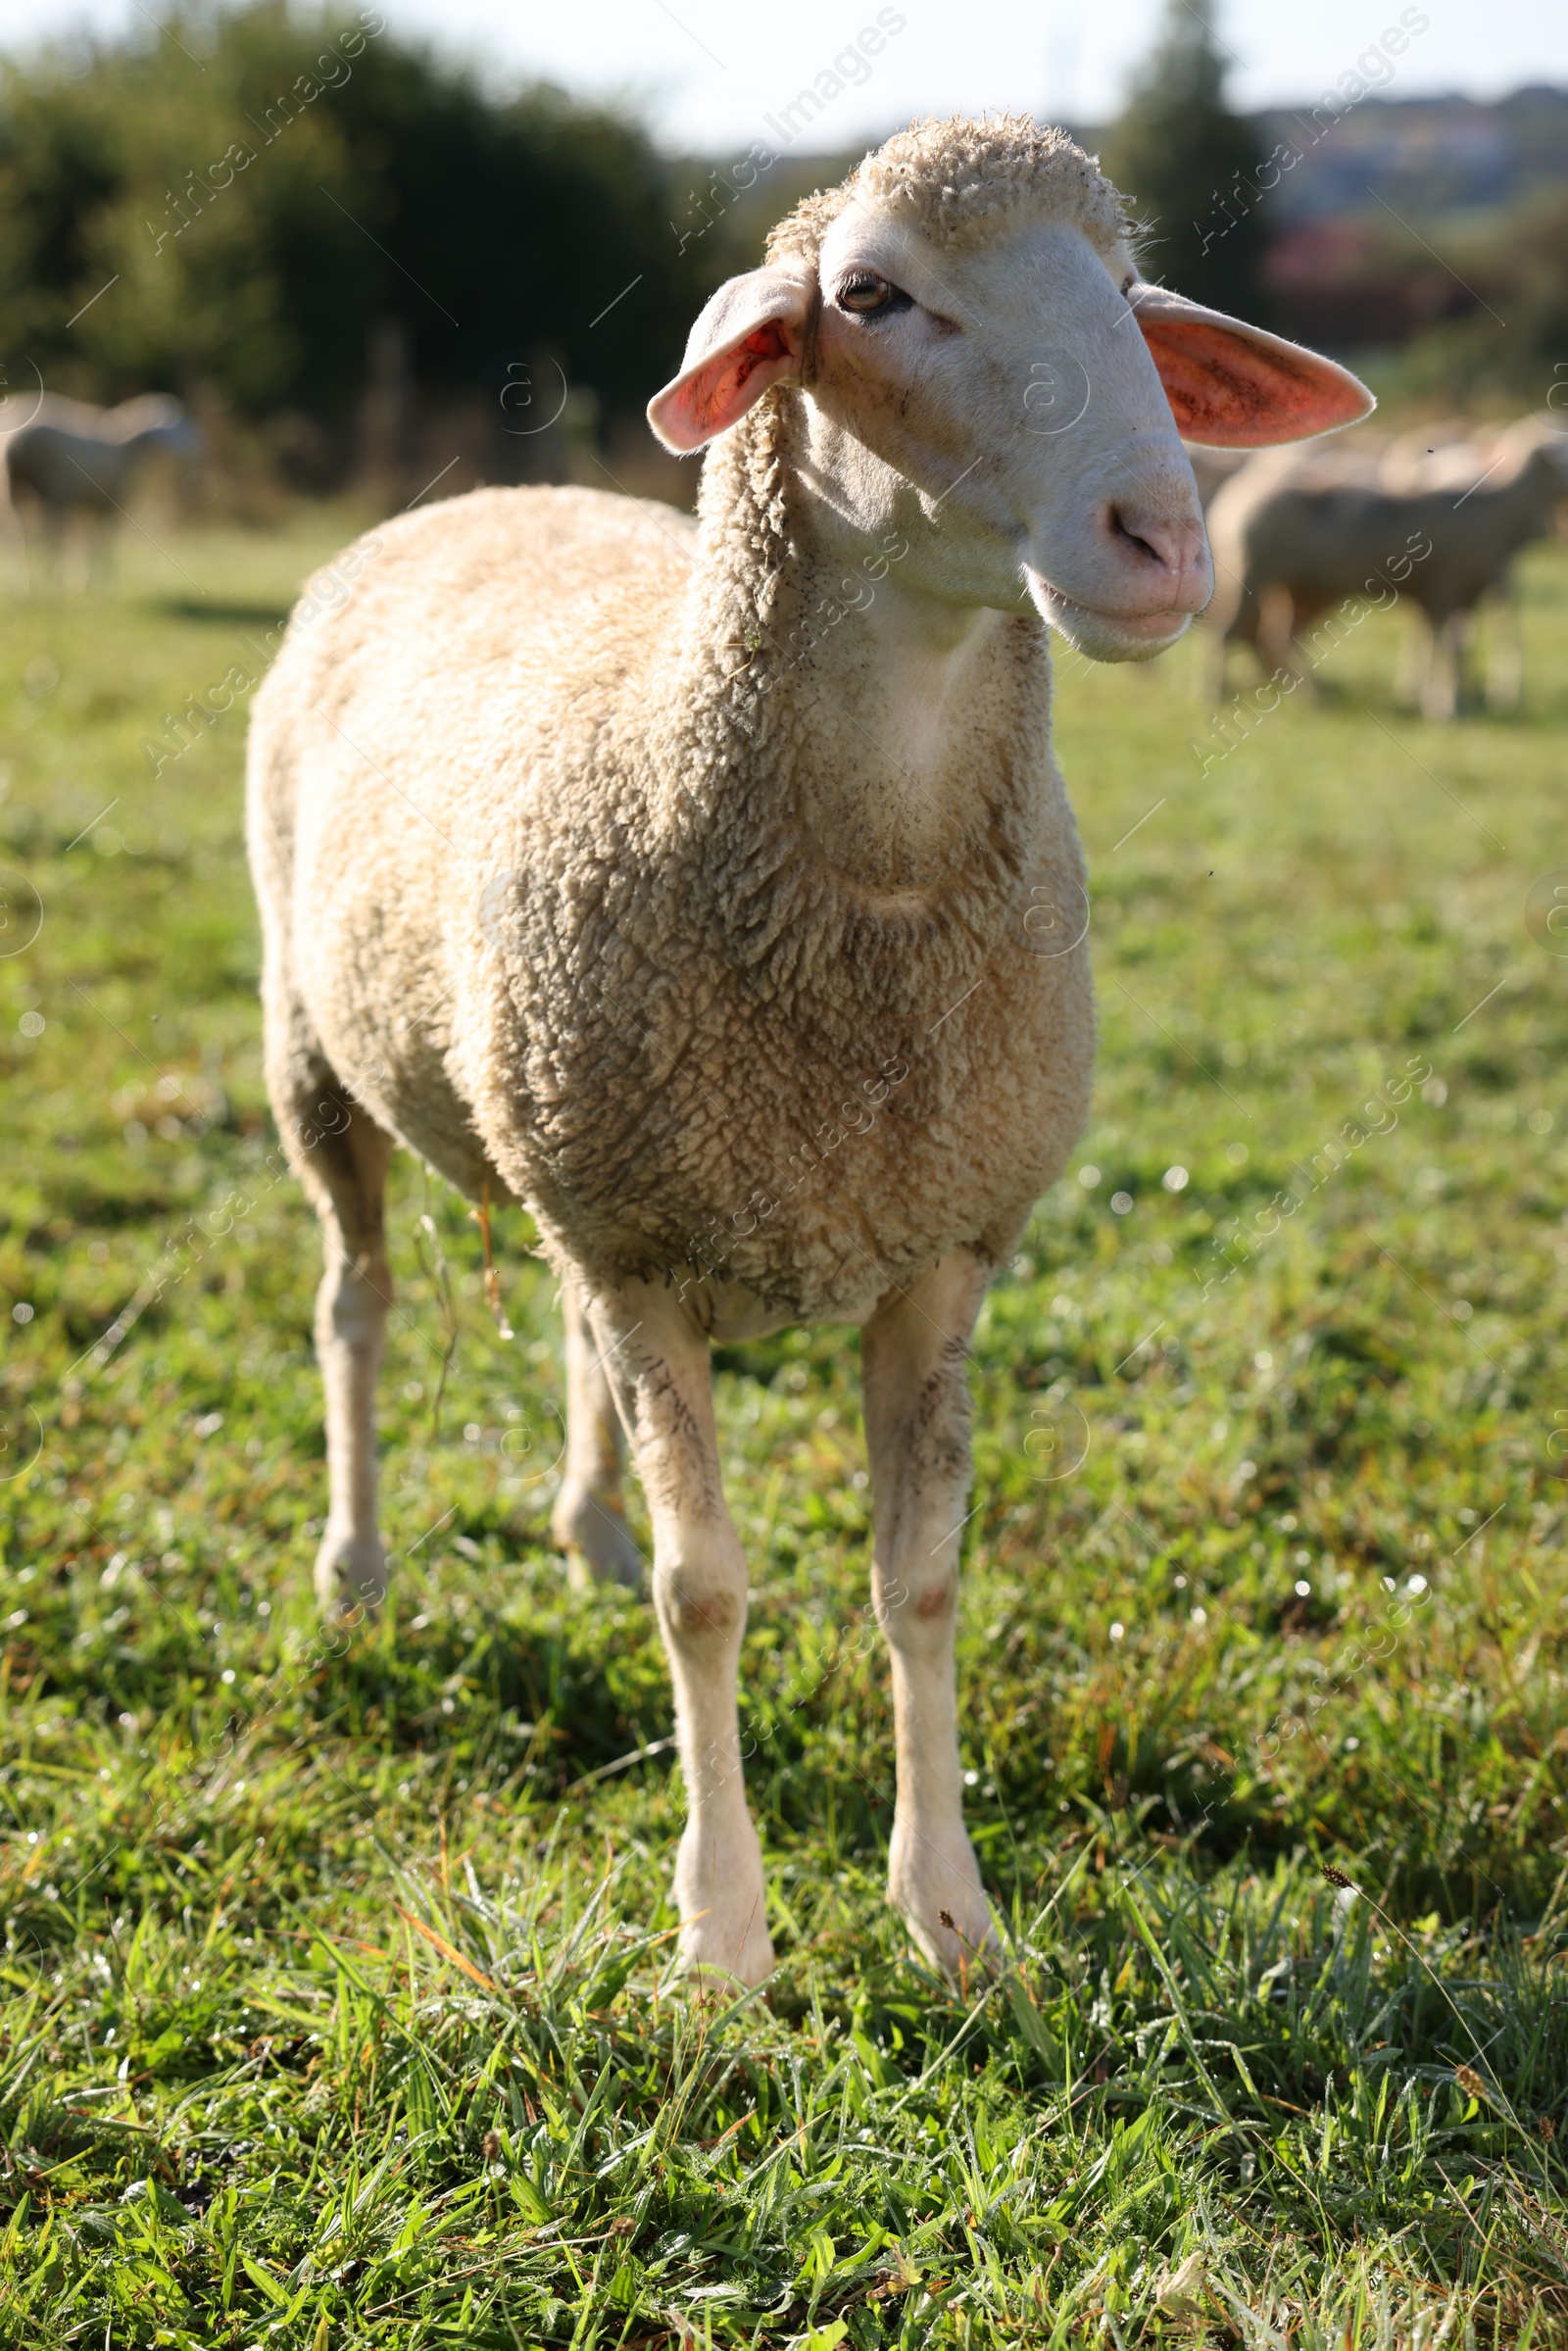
(706, 73)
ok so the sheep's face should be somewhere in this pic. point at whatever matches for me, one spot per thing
(160, 420)
(1011, 406)
(1003, 402)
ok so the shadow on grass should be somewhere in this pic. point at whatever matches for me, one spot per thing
(209, 607)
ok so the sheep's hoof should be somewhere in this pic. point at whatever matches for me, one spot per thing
(591, 1528)
(723, 1906)
(934, 1883)
(713, 1980)
(350, 1574)
(727, 1949)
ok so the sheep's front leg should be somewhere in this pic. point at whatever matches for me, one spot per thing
(1213, 665)
(1504, 651)
(1440, 695)
(918, 1433)
(1415, 661)
(1277, 648)
(657, 1364)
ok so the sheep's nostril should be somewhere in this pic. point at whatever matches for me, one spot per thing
(1130, 536)
(1175, 547)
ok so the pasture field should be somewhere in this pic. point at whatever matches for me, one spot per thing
(337, 2003)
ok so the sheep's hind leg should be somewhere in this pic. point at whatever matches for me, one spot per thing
(341, 1156)
(917, 1434)
(588, 1519)
(658, 1362)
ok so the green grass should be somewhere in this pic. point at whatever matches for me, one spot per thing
(337, 1996)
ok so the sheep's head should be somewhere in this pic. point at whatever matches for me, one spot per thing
(159, 418)
(975, 353)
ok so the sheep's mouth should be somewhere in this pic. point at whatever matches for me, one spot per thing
(1106, 635)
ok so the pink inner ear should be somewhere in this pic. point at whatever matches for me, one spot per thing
(1230, 391)
(717, 393)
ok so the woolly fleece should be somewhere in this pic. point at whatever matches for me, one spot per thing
(953, 180)
(530, 823)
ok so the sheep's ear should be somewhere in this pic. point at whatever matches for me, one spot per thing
(1232, 386)
(748, 337)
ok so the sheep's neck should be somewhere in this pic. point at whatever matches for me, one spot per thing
(895, 720)
(899, 713)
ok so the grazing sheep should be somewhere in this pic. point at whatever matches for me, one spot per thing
(70, 461)
(1293, 534)
(717, 894)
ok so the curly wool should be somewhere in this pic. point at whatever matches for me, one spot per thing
(528, 822)
(951, 178)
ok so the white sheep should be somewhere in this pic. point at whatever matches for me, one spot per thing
(1296, 534)
(717, 894)
(70, 460)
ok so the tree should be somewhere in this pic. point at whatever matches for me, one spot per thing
(254, 199)
(1196, 174)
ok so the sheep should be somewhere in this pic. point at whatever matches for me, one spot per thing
(1293, 534)
(715, 892)
(72, 460)
(1456, 456)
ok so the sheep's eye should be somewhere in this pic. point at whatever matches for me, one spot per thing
(865, 294)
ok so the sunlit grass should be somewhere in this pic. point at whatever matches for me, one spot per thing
(338, 1994)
